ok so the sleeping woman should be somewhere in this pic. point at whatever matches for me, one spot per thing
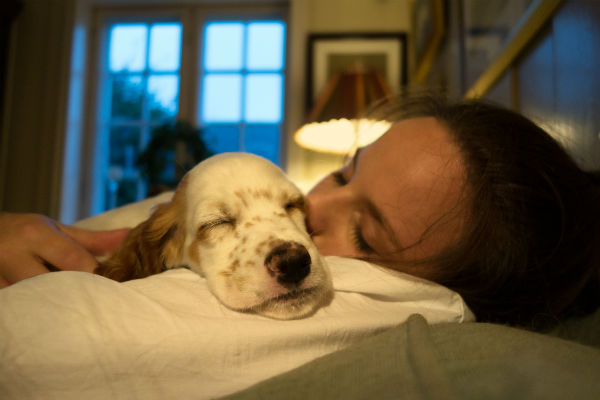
(471, 196)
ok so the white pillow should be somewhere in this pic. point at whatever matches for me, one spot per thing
(126, 216)
(73, 335)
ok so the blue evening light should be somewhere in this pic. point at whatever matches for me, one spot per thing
(163, 90)
(221, 98)
(263, 102)
(165, 46)
(263, 139)
(127, 47)
(242, 85)
(220, 138)
(265, 46)
(223, 47)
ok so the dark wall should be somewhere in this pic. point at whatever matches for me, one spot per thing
(9, 9)
(558, 79)
(555, 80)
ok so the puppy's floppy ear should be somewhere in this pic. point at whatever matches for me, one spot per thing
(149, 247)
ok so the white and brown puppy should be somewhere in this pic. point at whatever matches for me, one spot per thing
(238, 221)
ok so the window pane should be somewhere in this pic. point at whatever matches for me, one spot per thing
(124, 148)
(162, 96)
(127, 47)
(222, 138)
(265, 46)
(223, 43)
(126, 100)
(125, 191)
(221, 98)
(123, 184)
(165, 47)
(263, 98)
(262, 140)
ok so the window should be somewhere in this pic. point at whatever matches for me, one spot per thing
(147, 67)
(242, 86)
(141, 87)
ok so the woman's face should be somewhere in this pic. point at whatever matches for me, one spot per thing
(397, 200)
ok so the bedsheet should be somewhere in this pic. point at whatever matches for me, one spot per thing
(419, 361)
(74, 335)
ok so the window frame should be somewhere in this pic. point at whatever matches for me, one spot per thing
(244, 72)
(245, 13)
(192, 19)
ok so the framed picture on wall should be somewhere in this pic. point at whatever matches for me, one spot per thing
(329, 54)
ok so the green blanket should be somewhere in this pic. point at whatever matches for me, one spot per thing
(450, 361)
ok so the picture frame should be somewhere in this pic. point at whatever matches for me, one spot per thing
(428, 32)
(329, 52)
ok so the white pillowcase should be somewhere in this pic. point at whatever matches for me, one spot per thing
(73, 335)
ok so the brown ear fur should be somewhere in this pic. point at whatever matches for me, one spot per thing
(149, 247)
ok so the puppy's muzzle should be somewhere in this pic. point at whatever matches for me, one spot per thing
(289, 262)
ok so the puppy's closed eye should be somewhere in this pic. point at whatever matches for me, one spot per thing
(296, 204)
(206, 227)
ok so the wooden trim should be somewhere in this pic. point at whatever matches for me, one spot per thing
(189, 67)
(532, 21)
(437, 34)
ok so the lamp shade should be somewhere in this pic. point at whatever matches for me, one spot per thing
(334, 124)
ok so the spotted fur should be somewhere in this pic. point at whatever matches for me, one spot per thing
(239, 222)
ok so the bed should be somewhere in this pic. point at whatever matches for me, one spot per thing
(73, 335)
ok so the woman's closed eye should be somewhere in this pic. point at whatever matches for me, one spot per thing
(356, 235)
(359, 241)
(341, 178)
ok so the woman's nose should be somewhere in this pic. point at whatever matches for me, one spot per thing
(316, 204)
(328, 209)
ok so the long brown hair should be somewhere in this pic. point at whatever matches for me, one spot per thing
(530, 253)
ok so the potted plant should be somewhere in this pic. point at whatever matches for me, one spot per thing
(175, 148)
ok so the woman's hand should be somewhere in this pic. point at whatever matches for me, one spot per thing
(32, 244)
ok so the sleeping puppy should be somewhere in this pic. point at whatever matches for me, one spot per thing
(239, 222)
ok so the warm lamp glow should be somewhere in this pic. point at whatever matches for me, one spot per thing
(333, 125)
(340, 136)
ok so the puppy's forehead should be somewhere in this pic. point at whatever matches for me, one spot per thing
(229, 173)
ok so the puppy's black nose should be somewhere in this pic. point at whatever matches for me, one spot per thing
(289, 262)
